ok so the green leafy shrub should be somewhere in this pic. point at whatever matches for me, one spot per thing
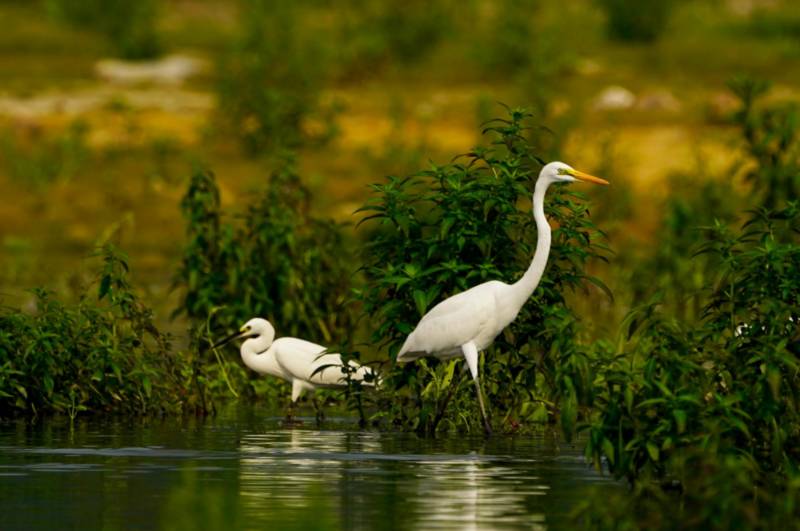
(700, 413)
(130, 26)
(100, 354)
(446, 229)
(279, 262)
(720, 492)
(637, 20)
(729, 382)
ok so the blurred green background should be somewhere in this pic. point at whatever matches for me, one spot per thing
(105, 108)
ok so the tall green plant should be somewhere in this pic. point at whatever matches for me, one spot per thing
(719, 395)
(733, 377)
(278, 261)
(446, 229)
(102, 354)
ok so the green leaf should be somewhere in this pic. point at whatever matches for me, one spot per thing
(105, 286)
(421, 300)
(608, 450)
(680, 419)
(652, 451)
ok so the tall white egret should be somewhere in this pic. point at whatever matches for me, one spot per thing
(304, 364)
(468, 322)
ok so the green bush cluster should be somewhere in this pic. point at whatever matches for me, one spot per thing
(277, 261)
(102, 353)
(700, 412)
(374, 33)
(720, 394)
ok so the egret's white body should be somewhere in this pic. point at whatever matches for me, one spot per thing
(304, 364)
(468, 322)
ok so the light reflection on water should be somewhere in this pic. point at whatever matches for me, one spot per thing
(243, 472)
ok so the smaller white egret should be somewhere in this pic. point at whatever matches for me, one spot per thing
(304, 364)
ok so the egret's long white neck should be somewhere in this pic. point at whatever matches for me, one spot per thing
(524, 287)
(255, 347)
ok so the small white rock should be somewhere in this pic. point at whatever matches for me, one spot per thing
(170, 70)
(614, 98)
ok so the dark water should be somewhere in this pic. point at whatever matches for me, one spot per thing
(240, 470)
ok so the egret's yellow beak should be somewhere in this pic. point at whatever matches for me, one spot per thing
(586, 177)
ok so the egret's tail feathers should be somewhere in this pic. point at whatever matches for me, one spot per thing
(367, 376)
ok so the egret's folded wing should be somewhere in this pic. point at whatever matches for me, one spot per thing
(446, 329)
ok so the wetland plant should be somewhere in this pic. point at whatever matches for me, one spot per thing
(100, 354)
(699, 410)
(719, 394)
(277, 261)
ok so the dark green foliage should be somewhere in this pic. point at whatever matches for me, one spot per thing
(637, 20)
(268, 83)
(772, 24)
(719, 492)
(130, 26)
(101, 354)
(454, 226)
(729, 383)
(772, 141)
(278, 261)
(700, 414)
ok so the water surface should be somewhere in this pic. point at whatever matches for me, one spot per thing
(241, 470)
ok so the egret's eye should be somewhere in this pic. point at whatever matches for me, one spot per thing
(563, 171)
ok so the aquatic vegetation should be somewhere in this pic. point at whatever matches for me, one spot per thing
(278, 261)
(704, 411)
(443, 230)
(103, 353)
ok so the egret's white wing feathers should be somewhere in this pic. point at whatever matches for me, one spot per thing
(467, 316)
(303, 359)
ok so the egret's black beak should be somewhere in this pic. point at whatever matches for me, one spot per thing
(228, 339)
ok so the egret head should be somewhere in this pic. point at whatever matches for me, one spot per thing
(256, 328)
(558, 172)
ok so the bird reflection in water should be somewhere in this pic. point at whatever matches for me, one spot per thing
(354, 480)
